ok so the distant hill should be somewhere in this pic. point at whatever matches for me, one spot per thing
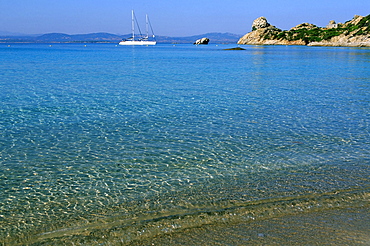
(113, 38)
(92, 37)
(214, 37)
(62, 38)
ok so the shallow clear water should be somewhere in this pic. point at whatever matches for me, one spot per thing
(101, 143)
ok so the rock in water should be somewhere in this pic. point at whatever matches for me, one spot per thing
(202, 41)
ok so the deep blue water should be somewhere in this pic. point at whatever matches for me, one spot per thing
(115, 143)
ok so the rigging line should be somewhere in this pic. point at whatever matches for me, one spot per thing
(137, 24)
(151, 28)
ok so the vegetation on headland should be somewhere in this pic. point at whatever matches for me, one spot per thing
(354, 31)
(319, 34)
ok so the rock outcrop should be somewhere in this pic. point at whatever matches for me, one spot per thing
(259, 23)
(352, 33)
(261, 30)
(202, 41)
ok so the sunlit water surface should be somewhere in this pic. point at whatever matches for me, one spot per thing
(108, 144)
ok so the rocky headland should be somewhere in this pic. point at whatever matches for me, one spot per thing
(353, 33)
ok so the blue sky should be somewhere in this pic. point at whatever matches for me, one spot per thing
(169, 17)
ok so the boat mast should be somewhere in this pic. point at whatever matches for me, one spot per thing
(133, 26)
(147, 27)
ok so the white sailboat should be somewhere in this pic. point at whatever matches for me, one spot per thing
(141, 40)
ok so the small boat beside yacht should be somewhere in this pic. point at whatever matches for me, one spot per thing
(139, 39)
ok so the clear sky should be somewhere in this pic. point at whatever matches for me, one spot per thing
(169, 17)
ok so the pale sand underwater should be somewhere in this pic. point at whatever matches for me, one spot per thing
(349, 226)
(337, 226)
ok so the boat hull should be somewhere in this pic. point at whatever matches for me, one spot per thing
(130, 42)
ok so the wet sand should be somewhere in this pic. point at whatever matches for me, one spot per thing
(349, 226)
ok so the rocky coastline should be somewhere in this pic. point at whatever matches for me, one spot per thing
(353, 33)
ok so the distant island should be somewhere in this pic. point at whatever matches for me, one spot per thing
(353, 33)
(217, 38)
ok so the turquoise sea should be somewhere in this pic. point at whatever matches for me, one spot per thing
(108, 145)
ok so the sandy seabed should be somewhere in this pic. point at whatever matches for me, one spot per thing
(349, 226)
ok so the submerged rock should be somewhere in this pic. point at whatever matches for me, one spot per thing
(237, 48)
